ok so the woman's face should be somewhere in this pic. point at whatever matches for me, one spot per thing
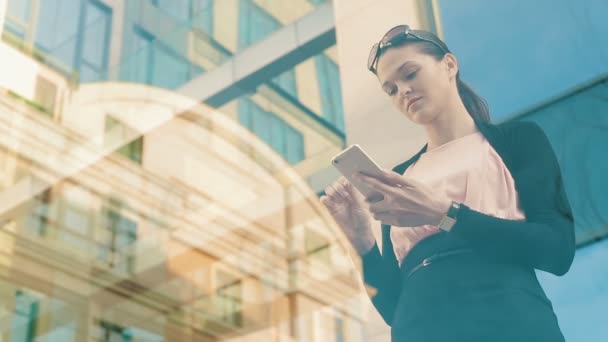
(417, 83)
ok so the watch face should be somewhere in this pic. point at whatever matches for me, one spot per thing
(453, 210)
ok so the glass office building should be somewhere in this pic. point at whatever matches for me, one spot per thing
(161, 168)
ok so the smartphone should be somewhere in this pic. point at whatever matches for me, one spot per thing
(353, 160)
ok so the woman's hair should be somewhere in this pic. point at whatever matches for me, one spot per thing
(475, 104)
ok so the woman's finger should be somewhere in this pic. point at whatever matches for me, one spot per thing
(339, 191)
(326, 201)
(374, 183)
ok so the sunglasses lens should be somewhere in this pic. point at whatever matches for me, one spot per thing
(396, 31)
(372, 57)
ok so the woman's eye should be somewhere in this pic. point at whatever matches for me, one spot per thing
(411, 75)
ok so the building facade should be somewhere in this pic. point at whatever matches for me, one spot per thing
(162, 160)
(161, 164)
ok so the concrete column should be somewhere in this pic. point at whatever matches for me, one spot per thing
(371, 121)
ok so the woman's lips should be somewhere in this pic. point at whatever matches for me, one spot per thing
(412, 101)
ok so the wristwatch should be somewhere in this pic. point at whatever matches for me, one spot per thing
(449, 219)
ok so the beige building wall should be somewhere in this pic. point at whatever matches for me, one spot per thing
(370, 119)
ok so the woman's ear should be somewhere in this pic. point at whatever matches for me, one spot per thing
(451, 64)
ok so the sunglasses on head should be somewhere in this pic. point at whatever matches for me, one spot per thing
(394, 36)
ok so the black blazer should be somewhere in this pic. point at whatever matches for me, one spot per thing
(544, 240)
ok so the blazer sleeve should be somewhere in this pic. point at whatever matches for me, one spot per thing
(382, 274)
(545, 239)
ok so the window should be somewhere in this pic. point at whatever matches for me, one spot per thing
(330, 91)
(75, 226)
(283, 138)
(229, 299)
(18, 16)
(198, 13)
(171, 70)
(339, 329)
(25, 317)
(178, 9)
(256, 24)
(58, 30)
(137, 67)
(202, 15)
(120, 234)
(77, 44)
(95, 36)
(132, 150)
(147, 60)
(37, 219)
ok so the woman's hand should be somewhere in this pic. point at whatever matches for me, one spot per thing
(347, 206)
(406, 203)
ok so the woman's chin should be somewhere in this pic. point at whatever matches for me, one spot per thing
(417, 117)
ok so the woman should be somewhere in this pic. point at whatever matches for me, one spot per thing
(465, 221)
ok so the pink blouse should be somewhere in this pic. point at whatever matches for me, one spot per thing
(467, 170)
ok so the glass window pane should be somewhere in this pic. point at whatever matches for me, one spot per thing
(330, 91)
(95, 42)
(179, 9)
(295, 145)
(261, 123)
(170, 70)
(57, 30)
(254, 23)
(137, 63)
(202, 16)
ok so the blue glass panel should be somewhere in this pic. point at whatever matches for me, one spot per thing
(580, 297)
(577, 127)
(254, 24)
(330, 90)
(244, 112)
(270, 128)
(170, 70)
(143, 58)
(287, 82)
(261, 123)
(202, 15)
(179, 9)
(95, 42)
(57, 30)
(519, 53)
(295, 145)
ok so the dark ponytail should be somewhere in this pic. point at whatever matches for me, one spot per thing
(475, 104)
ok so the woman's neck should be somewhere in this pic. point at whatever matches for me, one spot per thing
(450, 125)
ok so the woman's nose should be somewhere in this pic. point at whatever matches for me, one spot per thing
(405, 92)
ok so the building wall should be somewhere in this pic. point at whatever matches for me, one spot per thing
(139, 213)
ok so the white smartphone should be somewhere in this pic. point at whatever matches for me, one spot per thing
(353, 160)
